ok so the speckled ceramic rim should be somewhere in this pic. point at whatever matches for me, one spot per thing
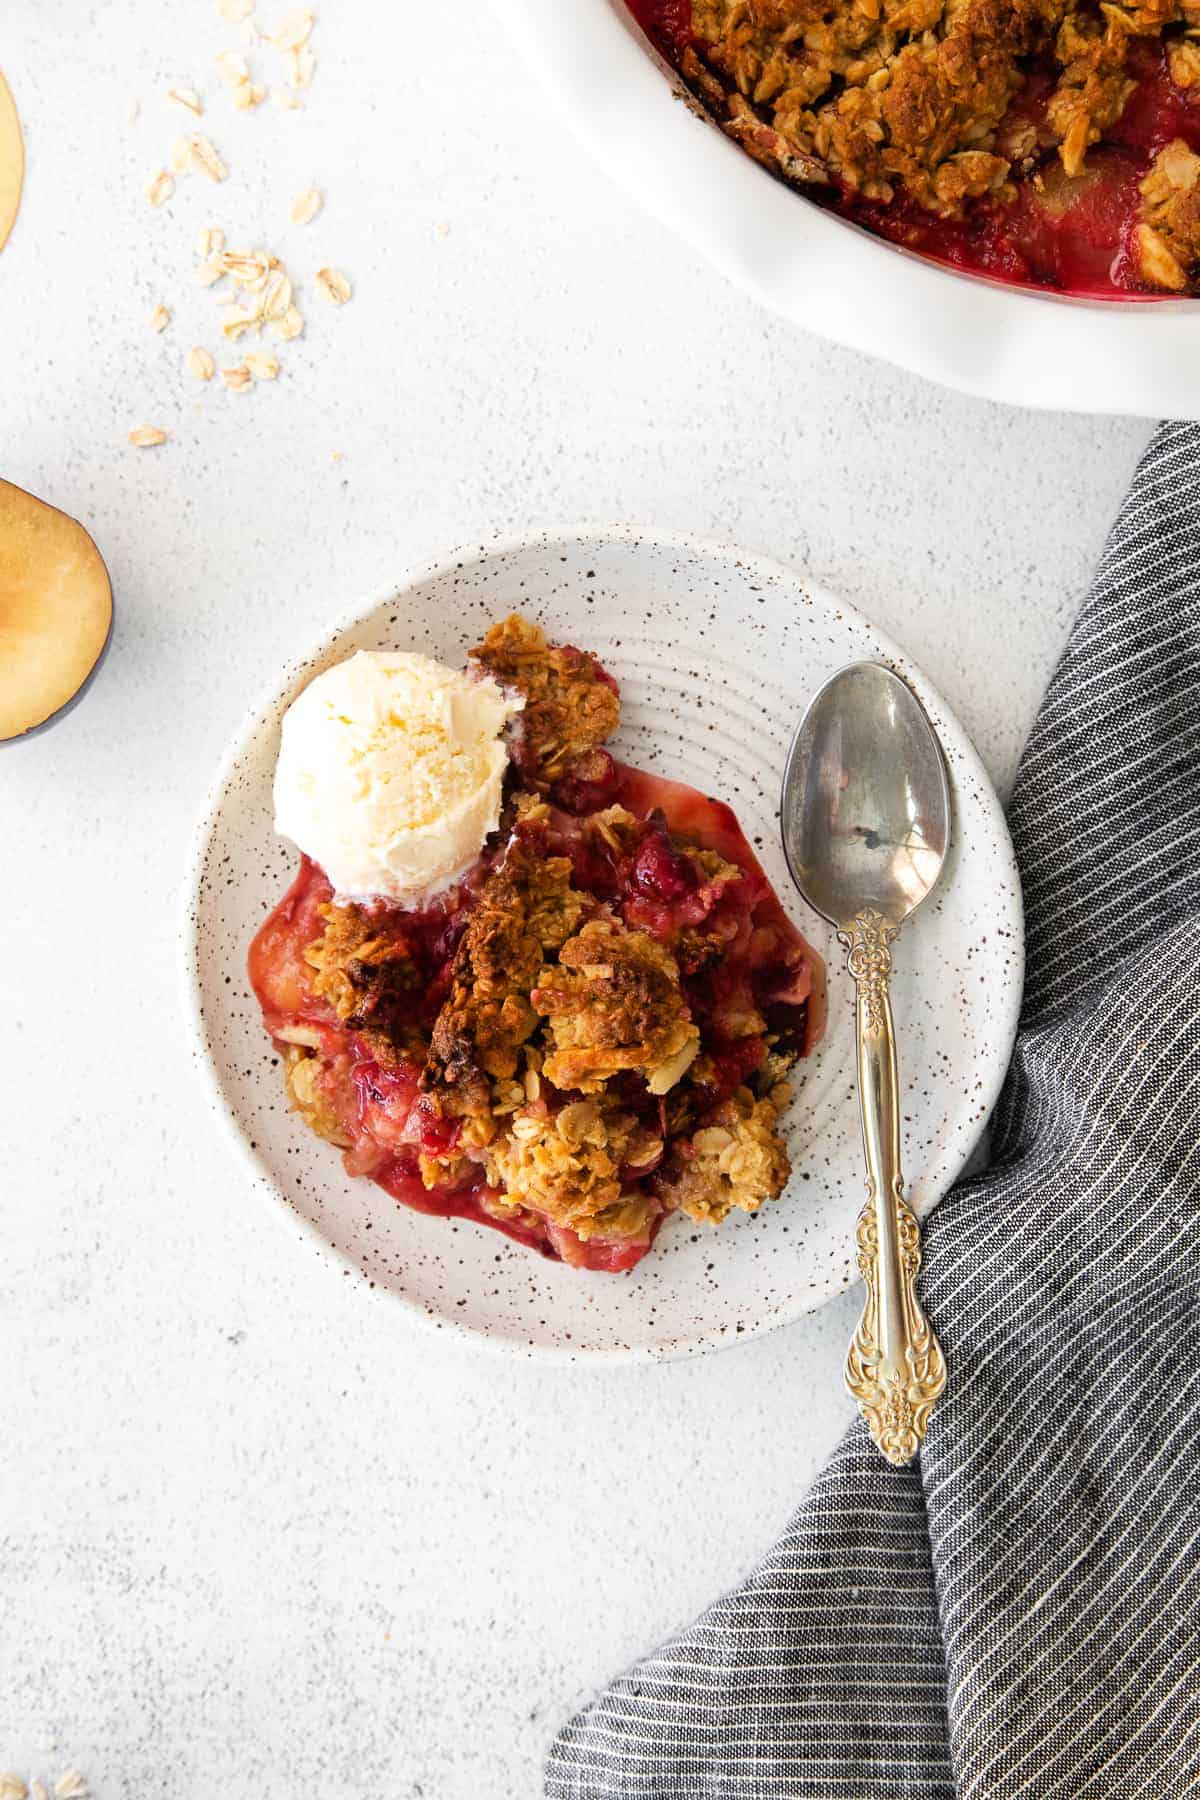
(832, 278)
(993, 1059)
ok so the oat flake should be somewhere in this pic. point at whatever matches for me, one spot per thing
(306, 206)
(277, 295)
(249, 268)
(334, 286)
(160, 187)
(239, 319)
(232, 68)
(294, 30)
(299, 67)
(142, 437)
(199, 363)
(204, 156)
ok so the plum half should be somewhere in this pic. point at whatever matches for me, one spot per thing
(12, 162)
(55, 612)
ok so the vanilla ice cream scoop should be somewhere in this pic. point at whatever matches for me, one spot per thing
(390, 773)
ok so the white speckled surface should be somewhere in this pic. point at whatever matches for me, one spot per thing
(260, 1539)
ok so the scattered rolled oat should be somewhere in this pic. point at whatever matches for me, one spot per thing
(232, 68)
(290, 325)
(306, 206)
(12, 1788)
(294, 30)
(40, 1791)
(159, 188)
(249, 268)
(299, 67)
(441, 228)
(204, 156)
(240, 318)
(253, 287)
(277, 296)
(71, 1786)
(334, 286)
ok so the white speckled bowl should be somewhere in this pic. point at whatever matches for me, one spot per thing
(716, 652)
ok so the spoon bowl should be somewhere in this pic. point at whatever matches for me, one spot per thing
(866, 801)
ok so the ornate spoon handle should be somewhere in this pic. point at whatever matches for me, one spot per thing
(895, 1368)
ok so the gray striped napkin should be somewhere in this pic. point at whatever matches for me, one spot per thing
(1019, 1614)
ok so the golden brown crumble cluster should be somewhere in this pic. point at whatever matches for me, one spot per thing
(738, 1161)
(1168, 239)
(527, 910)
(569, 708)
(306, 1077)
(368, 978)
(909, 98)
(612, 1004)
(571, 1165)
(554, 1004)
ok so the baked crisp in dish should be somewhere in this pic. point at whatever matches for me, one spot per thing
(592, 1028)
(1044, 142)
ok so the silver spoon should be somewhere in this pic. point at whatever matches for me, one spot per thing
(866, 823)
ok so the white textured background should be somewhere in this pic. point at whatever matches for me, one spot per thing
(257, 1540)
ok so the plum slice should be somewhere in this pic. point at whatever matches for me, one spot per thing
(55, 612)
(12, 162)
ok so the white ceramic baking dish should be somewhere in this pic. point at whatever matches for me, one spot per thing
(833, 278)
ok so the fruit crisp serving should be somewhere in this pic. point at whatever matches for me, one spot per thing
(591, 1029)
